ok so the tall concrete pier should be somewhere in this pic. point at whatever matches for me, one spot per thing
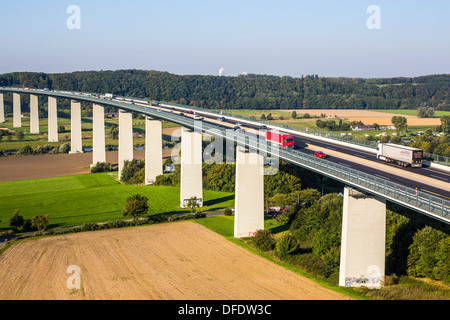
(125, 139)
(363, 240)
(34, 114)
(2, 109)
(76, 145)
(249, 193)
(98, 135)
(17, 112)
(153, 150)
(52, 120)
(191, 167)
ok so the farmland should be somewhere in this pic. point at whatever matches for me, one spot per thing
(90, 198)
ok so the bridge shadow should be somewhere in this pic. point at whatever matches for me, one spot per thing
(218, 200)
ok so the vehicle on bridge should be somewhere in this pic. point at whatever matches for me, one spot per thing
(285, 140)
(320, 154)
(402, 155)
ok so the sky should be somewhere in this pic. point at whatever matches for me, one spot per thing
(209, 37)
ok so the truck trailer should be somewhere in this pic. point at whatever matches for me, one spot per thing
(285, 140)
(401, 155)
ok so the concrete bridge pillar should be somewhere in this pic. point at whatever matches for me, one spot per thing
(191, 180)
(153, 150)
(98, 135)
(52, 120)
(76, 145)
(17, 113)
(249, 190)
(125, 139)
(34, 114)
(363, 242)
(2, 109)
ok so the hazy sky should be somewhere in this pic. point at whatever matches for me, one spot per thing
(283, 37)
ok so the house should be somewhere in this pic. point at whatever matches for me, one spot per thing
(112, 115)
(362, 128)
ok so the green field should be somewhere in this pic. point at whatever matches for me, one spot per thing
(90, 198)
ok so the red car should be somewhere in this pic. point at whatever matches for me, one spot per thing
(320, 154)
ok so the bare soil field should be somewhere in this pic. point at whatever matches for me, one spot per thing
(57, 165)
(370, 117)
(182, 260)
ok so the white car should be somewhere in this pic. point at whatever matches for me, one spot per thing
(197, 117)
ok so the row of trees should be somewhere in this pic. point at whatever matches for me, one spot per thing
(251, 91)
(39, 222)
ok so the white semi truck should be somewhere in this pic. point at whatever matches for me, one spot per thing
(402, 155)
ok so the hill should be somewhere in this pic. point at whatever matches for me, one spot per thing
(251, 91)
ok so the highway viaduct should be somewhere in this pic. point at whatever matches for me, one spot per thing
(362, 260)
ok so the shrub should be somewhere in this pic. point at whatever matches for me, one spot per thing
(64, 148)
(101, 167)
(286, 245)
(264, 240)
(422, 259)
(89, 227)
(130, 169)
(228, 212)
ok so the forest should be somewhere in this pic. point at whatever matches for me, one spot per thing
(251, 91)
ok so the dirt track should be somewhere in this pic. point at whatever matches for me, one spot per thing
(173, 261)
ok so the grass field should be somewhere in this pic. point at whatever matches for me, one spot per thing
(90, 198)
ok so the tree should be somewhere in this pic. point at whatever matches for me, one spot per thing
(193, 204)
(445, 123)
(40, 222)
(114, 132)
(20, 135)
(399, 122)
(130, 171)
(16, 221)
(136, 207)
(294, 114)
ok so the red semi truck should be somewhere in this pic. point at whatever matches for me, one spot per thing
(285, 140)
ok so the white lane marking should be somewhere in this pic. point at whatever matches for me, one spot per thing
(380, 176)
(440, 178)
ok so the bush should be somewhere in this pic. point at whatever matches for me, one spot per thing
(228, 212)
(130, 171)
(101, 167)
(286, 245)
(64, 148)
(264, 240)
(90, 227)
(422, 259)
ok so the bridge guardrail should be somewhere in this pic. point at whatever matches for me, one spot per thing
(438, 159)
(412, 198)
